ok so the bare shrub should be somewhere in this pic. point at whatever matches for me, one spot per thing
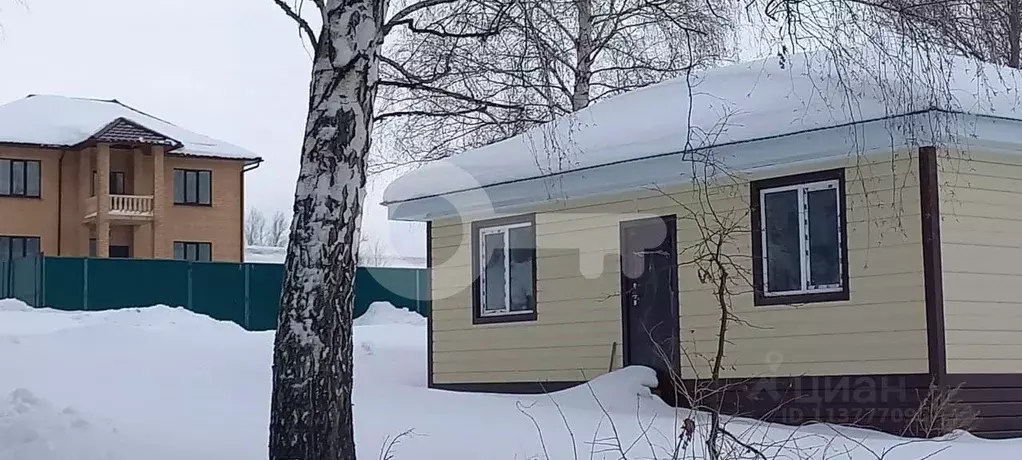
(941, 413)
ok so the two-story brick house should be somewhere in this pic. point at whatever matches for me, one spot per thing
(85, 177)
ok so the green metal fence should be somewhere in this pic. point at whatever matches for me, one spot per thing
(247, 294)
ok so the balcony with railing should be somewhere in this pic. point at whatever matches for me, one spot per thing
(123, 208)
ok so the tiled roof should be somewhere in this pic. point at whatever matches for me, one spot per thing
(124, 131)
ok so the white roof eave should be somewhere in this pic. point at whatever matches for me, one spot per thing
(756, 158)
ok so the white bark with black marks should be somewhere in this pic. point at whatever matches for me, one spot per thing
(311, 412)
(584, 56)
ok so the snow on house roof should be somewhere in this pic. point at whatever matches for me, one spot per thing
(59, 121)
(752, 101)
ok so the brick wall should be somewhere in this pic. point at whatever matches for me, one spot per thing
(219, 224)
(48, 217)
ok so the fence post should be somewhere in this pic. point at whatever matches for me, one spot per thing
(418, 293)
(10, 278)
(189, 306)
(247, 269)
(40, 286)
(85, 283)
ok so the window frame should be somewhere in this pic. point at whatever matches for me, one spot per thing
(9, 240)
(501, 225)
(197, 244)
(818, 180)
(197, 186)
(111, 183)
(115, 177)
(24, 173)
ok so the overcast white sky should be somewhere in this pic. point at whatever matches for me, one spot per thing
(231, 69)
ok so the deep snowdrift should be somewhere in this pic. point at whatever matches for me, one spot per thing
(163, 383)
(385, 314)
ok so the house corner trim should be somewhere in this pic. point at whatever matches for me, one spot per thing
(929, 204)
(429, 305)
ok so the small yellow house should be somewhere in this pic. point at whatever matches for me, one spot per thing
(868, 228)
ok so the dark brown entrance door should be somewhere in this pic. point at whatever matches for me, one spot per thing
(649, 297)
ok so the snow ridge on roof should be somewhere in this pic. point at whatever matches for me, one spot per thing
(761, 99)
(60, 121)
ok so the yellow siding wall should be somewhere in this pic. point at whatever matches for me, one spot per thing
(572, 339)
(880, 330)
(981, 234)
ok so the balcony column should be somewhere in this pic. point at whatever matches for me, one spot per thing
(142, 235)
(84, 193)
(161, 247)
(103, 200)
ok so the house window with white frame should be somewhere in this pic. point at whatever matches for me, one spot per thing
(801, 255)
(505, 255)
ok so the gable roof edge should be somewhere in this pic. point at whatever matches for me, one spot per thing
(97, 136)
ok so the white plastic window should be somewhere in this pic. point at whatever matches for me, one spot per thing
(801, 232)
(505, 270)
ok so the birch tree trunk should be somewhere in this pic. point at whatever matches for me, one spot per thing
(311, 410)
(584, 48)
(1014, 32)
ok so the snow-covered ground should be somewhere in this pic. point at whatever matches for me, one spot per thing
(163, 383)
(275, 255)
(265, 254)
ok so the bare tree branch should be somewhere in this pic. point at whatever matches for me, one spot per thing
(303, 25)
(443, 33)
(409, 10)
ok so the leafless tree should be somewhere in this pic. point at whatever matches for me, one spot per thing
(255, 228)
(371, 252)
(919, 36)
(717, 258)
(276, 235)
(311, 412)
(260, 232)
(987, 30)
(551, 58)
